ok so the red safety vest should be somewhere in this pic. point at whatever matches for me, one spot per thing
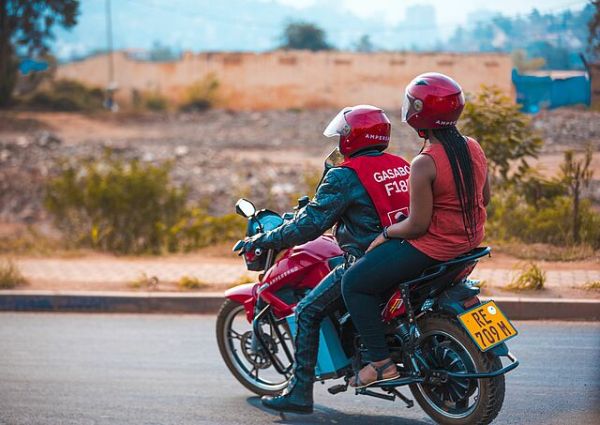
(385, 178)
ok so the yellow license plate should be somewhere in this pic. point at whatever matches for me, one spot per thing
(487, 325)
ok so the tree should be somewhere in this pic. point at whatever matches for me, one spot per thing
(505, 134)
(594, 27)
(576, 174)
(364, 44)
(524, 64)
(25, 27)
(304, 36)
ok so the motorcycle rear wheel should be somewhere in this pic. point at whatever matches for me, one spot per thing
(242, 362)
(445, 341)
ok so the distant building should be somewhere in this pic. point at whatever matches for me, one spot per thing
(420, 26)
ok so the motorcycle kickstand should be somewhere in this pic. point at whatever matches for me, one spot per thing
(409, 403)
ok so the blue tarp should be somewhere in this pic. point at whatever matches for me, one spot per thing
(545, 92)
(28, 65)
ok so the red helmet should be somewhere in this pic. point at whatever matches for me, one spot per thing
(360, 127)
(432, 100)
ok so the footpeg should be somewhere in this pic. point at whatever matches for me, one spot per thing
(336, 389)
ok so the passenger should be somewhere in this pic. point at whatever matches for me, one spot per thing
(449, 191)
(358, 196)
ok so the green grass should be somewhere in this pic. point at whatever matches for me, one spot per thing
(531, 278)
(10, 275)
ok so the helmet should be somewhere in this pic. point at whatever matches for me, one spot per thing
(360, 127)
(432, 100)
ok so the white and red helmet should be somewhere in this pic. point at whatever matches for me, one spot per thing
(360, 127)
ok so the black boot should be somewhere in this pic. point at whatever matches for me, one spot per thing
(284, 403)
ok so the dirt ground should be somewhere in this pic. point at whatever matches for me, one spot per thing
(222, 155)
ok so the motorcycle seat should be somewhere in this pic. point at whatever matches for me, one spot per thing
(451, 268)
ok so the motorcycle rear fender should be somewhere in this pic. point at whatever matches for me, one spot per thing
(451, 302)
(245, 295)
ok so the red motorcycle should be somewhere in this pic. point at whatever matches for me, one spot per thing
(446, 343)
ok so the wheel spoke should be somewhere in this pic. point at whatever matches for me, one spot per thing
(234, 334)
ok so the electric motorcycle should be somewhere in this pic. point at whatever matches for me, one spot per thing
(447, 344)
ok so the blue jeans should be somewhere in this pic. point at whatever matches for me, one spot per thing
(372, 275)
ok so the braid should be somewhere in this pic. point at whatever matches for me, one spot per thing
(455, 146)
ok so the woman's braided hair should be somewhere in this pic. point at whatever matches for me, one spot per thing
(455, 146)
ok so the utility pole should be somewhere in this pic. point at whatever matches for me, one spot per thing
(112, 85)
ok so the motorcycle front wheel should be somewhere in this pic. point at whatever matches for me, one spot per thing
(446, 345)
(243, 357)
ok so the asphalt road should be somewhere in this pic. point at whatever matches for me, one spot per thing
(150, 369)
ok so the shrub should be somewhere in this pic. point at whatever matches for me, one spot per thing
(155, 102)
(10, 275)
(198, 229)
(201, 95)
(67, 95)
(113, 205)
(511, 217)
(505, 134)
(532, 277)
(190, 282)
(129, 207)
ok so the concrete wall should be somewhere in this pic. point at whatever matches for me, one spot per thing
(294, 79)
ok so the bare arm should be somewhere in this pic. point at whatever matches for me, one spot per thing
(422, 175)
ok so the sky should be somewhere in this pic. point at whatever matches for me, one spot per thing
(256, 25)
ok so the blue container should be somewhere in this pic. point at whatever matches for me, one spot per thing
(331, 359)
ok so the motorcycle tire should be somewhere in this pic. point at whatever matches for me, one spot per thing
(491, 390)
(227, 309)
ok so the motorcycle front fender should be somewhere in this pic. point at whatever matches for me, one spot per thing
(246, 295)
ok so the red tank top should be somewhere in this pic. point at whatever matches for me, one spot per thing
(385, 178)
(446, 237)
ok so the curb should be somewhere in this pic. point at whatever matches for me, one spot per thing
(111, 302)
(209, 303)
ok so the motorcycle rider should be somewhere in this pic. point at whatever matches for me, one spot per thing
(359, 197)
(449, 193)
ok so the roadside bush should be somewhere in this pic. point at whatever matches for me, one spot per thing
(10, 275)
(155, 102)
(66, 95)
(129, 207)
(113, 205)
(532, 277)
(511, 217)
(197, 229)
(504, 132)
(201, 95)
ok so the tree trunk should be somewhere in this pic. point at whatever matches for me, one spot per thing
(7, 71)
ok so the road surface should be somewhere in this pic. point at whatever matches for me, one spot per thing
(151, 369)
